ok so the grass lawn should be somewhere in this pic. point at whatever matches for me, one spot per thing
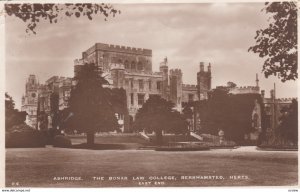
(38, 167)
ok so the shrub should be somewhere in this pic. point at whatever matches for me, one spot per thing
(50, 134)
(22, 136)
(62, 141)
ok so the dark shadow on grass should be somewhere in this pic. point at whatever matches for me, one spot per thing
(97, 146)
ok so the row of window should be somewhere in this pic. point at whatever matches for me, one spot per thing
(133, 65)
(142, 84)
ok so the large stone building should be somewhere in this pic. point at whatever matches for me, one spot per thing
(124, 67)
(131, 69)
(273, 107)
(30, 100)
(37, 98)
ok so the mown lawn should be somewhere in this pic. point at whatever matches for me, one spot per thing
(38, 167)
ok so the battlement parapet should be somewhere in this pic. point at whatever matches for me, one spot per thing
(175, 72)
(244, 90)
(202, 68)
(286, 100)
(79, 62)
(189, 86)
(119, 48)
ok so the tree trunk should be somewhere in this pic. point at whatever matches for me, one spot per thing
(159, 137)
(90, 139)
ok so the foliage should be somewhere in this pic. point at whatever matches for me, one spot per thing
(12, 116)
(157, 115)
(278, 42)
(231, 84)
(231, 113)
(22, 136)
(61, 141)
(90, 104)
(118, 99)
(54, 109)
(43, 120)
(32, 14)
(187, 111)
(288, 127)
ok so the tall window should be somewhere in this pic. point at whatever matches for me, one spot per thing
(150, 85)
(131, 99)
(141, 84)
(131, 83)
(140, 66)
(126, 65)
(141, 99)
(158, 85)
(133, 66)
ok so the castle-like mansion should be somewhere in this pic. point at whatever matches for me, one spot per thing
(131, 69)
(124, 67)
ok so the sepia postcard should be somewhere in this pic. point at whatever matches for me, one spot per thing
(150, 94)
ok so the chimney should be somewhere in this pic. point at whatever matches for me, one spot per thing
(209, 67)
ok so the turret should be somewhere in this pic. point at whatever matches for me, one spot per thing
(176, 87)
(272, 94)
(257, 81)
(117, 74)
(164, 69)
(203, 81)
(201, 66)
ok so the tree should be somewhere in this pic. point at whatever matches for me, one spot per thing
(90, 104)
(187, 111)
(54, 109)
(157, 115)
(230, 113)
(231, 84)
(12, 116)
(288, 126)
(278, 42)
(32, 14)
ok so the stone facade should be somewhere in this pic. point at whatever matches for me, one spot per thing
(37, 97)
(124, 67)
(189, 93)
(131, 69)
(30, 100)
(204, 81)
(273, 107)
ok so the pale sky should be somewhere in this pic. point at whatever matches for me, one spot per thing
(186, 33)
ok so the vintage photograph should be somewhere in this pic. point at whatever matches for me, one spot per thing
(154, 94)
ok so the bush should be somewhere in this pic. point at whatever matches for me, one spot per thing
(62, 141)
(50, 134)
(22, 136)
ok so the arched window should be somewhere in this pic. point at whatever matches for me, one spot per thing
(140, 66)
(120, 61)
(133, 65)
(126, 64)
